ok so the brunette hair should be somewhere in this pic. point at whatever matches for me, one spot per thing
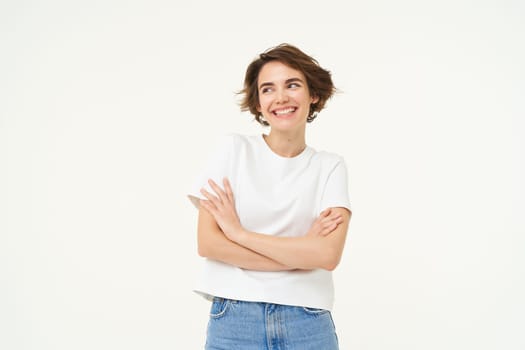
(319, 80)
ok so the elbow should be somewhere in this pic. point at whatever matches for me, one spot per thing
(205, 244)
(203, 249)
(331, 260)
(330, 264)
(330, 267)
(202, 252)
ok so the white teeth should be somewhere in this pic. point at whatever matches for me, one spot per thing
(285, 111)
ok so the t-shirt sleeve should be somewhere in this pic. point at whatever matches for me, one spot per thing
(217, 167)
(335, 193)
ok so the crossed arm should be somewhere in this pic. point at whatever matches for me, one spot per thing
(221, 237)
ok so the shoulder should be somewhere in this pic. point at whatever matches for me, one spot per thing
(236, 138)
(230, 141)
(329, 160)
(232, 145)
(222, 147)
(239, 141)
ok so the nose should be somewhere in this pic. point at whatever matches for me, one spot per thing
(281, 96)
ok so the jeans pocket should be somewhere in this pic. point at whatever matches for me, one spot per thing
(218, 307)
(314, 311)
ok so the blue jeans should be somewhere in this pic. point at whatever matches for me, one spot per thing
(246, 325)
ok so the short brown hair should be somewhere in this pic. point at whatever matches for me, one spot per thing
(319, 80)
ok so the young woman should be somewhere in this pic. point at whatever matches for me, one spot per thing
(273, 216)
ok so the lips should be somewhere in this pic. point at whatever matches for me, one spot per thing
(284, 111)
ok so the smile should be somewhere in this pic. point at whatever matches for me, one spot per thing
(281, 112)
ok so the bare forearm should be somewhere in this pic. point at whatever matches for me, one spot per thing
(222, 249)
(213, 244)
(313, 250)
(305, 252)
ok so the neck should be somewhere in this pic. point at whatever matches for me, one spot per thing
(286, 145)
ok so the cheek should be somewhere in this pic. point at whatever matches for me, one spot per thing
(263, 103)
(306, 98)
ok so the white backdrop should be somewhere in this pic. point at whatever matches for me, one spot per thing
(109, 108)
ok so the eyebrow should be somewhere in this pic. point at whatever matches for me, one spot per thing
(288, 81)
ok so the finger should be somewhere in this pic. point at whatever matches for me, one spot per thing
(330, 224)
(220, 193)
(337, 221)
(329, 229)
(325, 225)
(332, 216)
(208, 206)
(331, 219)
(325, 232)
(210, 197)
(228, 189)
(325, 212)
(323, 217)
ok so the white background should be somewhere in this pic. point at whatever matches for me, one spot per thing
(109, 108)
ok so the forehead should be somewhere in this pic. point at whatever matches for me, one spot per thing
(276, 71)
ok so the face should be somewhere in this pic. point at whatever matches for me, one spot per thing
(284, 99)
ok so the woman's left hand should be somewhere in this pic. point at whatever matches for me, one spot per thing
(222, 207)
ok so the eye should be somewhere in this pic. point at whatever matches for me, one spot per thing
(294, 85)
(266, 90)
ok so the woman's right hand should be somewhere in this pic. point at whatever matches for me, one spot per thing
(325, 223)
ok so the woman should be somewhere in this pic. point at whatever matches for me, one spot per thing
(273, 216)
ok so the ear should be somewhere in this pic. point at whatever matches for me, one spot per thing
(315, 99)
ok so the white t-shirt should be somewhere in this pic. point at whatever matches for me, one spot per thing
(277, 196)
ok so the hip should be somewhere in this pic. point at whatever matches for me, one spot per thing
(235, 324)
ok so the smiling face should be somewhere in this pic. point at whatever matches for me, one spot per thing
(284, 99)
